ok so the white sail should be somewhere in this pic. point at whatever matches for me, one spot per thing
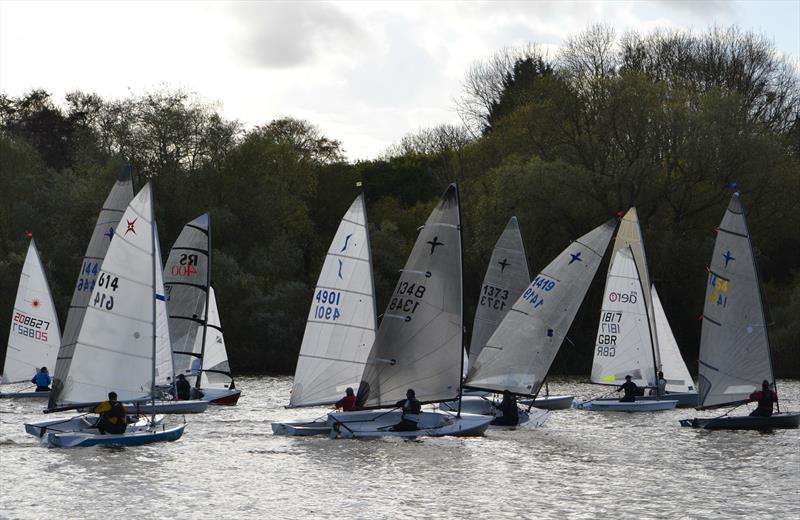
(419, 343)
(186, 276)
(117, 341)
(341, 323)
(163, 370)
(672, 364)
(627, 343)
(734, 346)
(506, 278)
(216, 369)
(110, 215)
(518, 355)
(34, 336)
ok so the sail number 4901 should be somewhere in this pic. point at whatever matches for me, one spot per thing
(327, 305)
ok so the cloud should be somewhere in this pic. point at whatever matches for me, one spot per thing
(700, 8)
(288, 34)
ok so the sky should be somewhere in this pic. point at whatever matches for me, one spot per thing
(365, 73)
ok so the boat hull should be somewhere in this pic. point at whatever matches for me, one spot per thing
(25, 395)
(685, 399)
(613, 405)
(221, 396)
(80, 423)
(551, 402)
(134, 438)
(474, 404)
(302, 427)
(378, 423)
(776, 421)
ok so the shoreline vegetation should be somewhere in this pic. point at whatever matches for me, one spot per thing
(671, 122)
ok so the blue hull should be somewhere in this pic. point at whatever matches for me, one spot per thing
(69, 440)
(777, 421)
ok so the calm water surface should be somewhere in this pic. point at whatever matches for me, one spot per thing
(579, 465)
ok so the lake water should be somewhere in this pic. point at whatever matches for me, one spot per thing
(579, 465)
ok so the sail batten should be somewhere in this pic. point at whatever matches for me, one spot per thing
(341, 323)
(735, 352)
(519, 354)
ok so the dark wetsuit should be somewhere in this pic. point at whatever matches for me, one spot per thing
(630, 389)
(766, 399)
(113, 418)
(510, 412)
(411, 410)
(183, 388)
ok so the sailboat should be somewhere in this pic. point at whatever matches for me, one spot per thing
(735, 355)
(419, 343)
(123, 335)
(519, 354)
(198, 346)
(34, 335)
(341, 325)
(627, 338)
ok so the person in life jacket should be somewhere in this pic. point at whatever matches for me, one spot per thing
(113, 417)
(348, 402)
(183, 389)
(42, 380)
(630, 389)
(765, 398)
(411, 410)
(661, 385)
(508, 406)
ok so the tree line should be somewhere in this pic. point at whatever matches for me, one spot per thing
(671, 122)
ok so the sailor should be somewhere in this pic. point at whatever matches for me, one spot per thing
(183, 388)
(411, 410)
(630, 389)
(508, 406)
(113, 418)
(42, 380)
(765, 398)
(348, 402)
(661, 385)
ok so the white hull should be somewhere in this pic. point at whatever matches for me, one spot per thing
(613, 405)
(79, 423)
(302, 427)
(378, 423)
(474, 404)
(135, 437)
(685, 399)
(551, 402)
(169, 407)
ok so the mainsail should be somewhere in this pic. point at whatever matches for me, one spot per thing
(216, 369)
(119, 338)
(734, 345)
(506, 278)
(186, 277)
(419, 343)
(672, 364)
(34, 335)
(110, 215)
(341, 323)
(518, 355)
(627, 343)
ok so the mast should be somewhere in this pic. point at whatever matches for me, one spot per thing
(154, 244)
(369, 249)
(205, 312)
(461, 314)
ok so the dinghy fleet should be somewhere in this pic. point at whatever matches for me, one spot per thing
(141, 329)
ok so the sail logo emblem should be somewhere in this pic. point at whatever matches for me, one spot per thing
(346, 240)
(131, 224)
(504, 264)
(728, 257)
(434, 243)
(575, 258)
(109, 233)
(632, 297)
